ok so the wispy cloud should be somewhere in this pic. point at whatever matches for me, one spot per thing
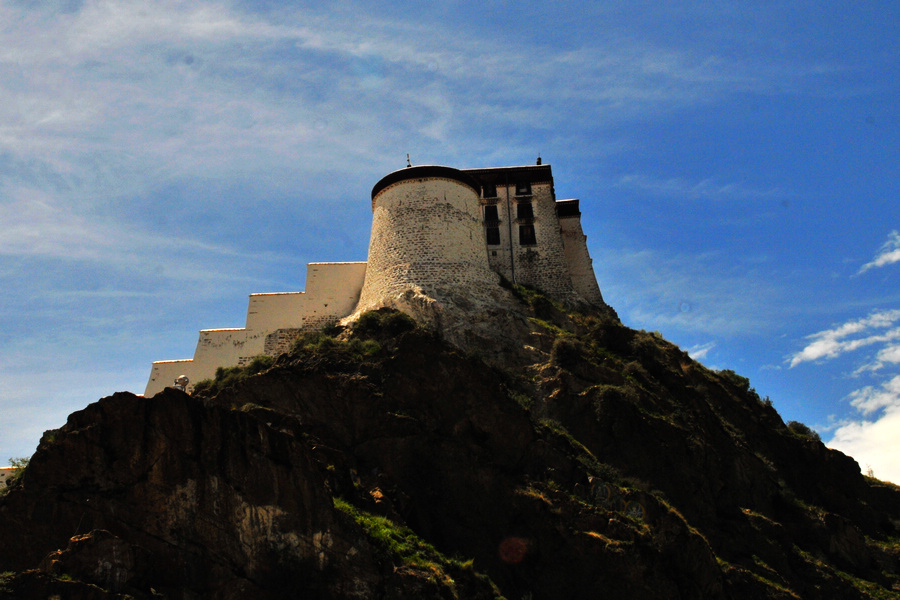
(877, 328)
(170, 84)
(106, 103)
(708, 189)
(692, 293)
(700, 351)
(888, 255)
(35, 226)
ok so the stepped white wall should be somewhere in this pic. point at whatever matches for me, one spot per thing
(332, 291)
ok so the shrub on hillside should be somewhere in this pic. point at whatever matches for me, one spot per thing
(567, 352)
(738, 381)
(230, 376)
(804, 431)
(383, 323)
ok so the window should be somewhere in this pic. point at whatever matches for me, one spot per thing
(490, 214)
(523, 188)
(489, 190)
(493, 237)
(526, 235)
(524, 210)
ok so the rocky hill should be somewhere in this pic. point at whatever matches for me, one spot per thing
(382, 461)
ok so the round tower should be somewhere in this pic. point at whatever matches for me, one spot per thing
(427, 237)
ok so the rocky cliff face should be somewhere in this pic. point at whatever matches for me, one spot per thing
(386, 463)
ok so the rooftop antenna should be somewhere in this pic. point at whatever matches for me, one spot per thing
(408, 164)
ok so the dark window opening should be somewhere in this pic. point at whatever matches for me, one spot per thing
(490, 213)
(526, 235)
(523, 188)
(493, 236)
(524, 210)
(489, 190)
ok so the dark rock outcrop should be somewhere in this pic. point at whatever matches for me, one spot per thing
(398, 467)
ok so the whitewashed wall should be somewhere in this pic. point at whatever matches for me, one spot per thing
(332, 291)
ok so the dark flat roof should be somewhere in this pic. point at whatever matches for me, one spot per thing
(520, 174)
(423, 171)
(567, 208)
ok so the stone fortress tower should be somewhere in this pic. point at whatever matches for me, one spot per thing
(427, 236)
(441, 240)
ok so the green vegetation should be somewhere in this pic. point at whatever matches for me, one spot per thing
(313, 340)
(738, 381)
(373, 331)
(869, 588)
(400, 542)
(320, 345)
(383, 323)
(18, 468)
(802, 431)
(522, 400)
(227, 377)
(5, 577)
(367, 339)
(584, 456)
(544, 308)
(567, 352)
(406, 548)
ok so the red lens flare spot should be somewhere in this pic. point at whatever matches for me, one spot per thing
(513, 550)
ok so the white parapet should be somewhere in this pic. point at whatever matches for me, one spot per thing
(332, 291)
(5, 474)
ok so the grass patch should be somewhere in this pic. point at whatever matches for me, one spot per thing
(400, 542)
(584, 456)
(869, 588)
(5, 578)
(407, 549)
(522, 400)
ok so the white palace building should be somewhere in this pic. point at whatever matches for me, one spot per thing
(436, 231)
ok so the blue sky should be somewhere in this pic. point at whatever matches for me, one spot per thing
(737, 169)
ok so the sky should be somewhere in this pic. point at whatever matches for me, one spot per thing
(736, 165)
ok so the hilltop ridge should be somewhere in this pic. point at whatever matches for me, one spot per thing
(379, 460)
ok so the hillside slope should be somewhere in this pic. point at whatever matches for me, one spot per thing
(387, 463)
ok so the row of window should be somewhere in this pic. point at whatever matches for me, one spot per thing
(524, 210)
(489, 190)
(526, 235)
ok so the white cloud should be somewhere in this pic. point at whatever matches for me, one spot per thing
(874, 438)
(832, 343)
(889, 253)
(870, 399)
(876, 442)
(889, 354)
(700, 351)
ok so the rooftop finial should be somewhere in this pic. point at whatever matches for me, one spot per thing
(408, 164)
(538, 160)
